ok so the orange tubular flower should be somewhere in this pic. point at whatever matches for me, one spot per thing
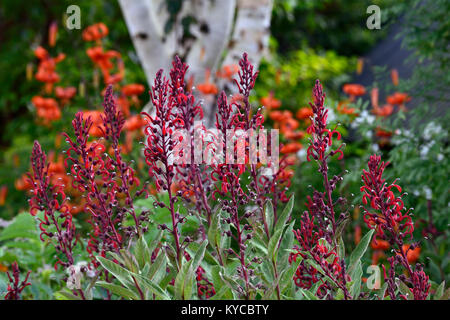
(292, 147)
(304, 113)
(357, 236)
(207, 87)
(95, 32)
(3, 194)
(394, 77)
(52, 33)
(354, 90)
(270, 102)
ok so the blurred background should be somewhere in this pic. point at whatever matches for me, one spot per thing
(387, 87)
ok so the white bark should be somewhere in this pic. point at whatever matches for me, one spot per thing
(146, 34)
(146, 19)
(251, 31)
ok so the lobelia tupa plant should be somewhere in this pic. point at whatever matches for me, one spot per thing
(232, 233)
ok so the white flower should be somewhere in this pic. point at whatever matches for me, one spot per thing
(75, 275)
(428, 193)
(431, 129)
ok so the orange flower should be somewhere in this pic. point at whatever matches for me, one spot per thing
(374, 97)
(47, 108)
(380, 245)
(304, 113)
(382, 133)
(3, 194)
(46, 71)
(23, 183)
(97, 122)
(288, 125)
(359, 66)
(95, 32)
(228, 71)
(280, 116)
(52, 32)
(394, 77)
(133, 90)
(286, 174)
(398, 98)
(292, 147)
(236, 98)
(354, 90)
(134, 123)
(412, 255)
(294, 135)
(376, 256)
(124, 105)
(207, 87)
(65, 94)
(270, 102)
(357, 237)
(103, 60)
(343, 109)
(383, 111)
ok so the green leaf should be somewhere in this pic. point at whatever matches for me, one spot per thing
(284, 216)
(382, 291)
(159, 264)
(272, 250)
(287, 242)
(355, 288)
(120, 273)
(269, 215)
(404, 289)
(141, 252)
(308, 295)
(446, 295)
(439, 291)
(151, 286)
(23, 226)
(360, 250)
(214, 231)
(119, 290)
(65, 295)
(288, 275)
(181, 279)
(199, 255)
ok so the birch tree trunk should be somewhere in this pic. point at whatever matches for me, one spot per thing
(236, 26)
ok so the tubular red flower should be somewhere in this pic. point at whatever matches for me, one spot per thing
(392, 225)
